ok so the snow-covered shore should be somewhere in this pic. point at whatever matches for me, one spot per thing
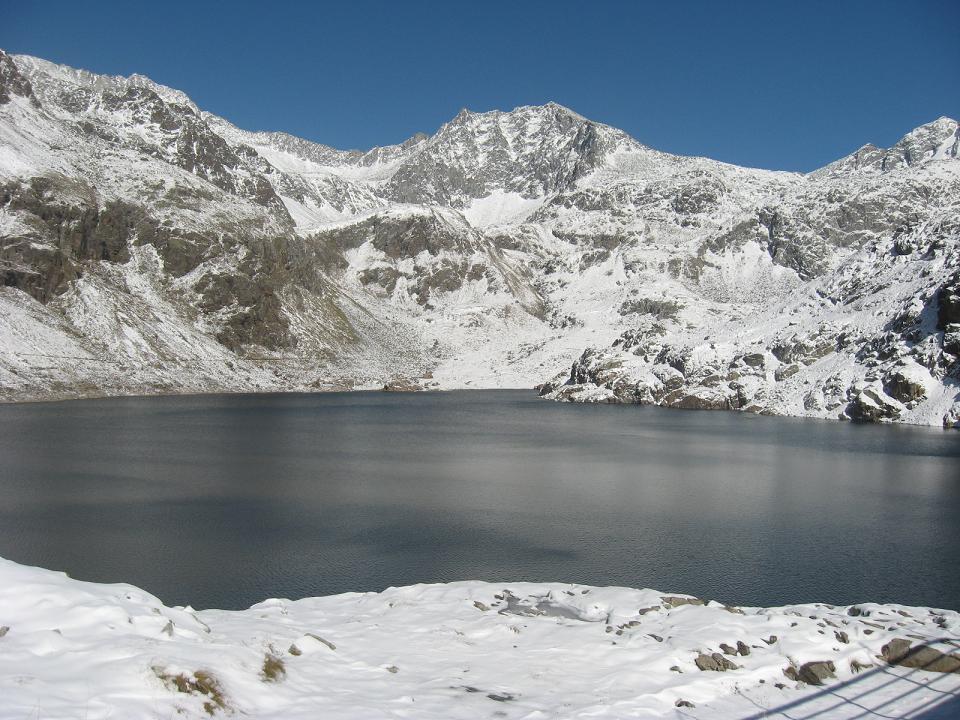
(72, 649)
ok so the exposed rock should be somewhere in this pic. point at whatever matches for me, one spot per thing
(948, 300)
(951, 419)
(814, 673)
(12, 82)
(714, 663)
(951, 339)
(649, 306)
(401, 385)
(904, 385)
(802, 349)
(900, 652)
(871, 405)
(701, 398)
(672, 601)
(786, 371)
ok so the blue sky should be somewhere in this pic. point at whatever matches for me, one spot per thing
(767, 84)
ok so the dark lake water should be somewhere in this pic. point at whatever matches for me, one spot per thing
(222, 501)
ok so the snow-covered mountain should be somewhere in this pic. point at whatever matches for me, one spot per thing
(148, 246)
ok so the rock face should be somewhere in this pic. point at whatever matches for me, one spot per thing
(148, 246)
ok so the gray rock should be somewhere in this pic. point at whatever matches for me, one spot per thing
(714, 663)
(951, 339)
(814, 673)
(899, 652)
(898, 385)
(871, 406)
(672, 601)
(786, 371)
(12, 81)
(948, 302)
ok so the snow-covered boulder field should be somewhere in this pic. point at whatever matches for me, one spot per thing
(72, 649)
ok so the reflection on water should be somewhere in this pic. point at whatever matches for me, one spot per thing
(222, 501)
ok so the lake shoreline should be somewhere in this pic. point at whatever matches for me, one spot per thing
(71, 397)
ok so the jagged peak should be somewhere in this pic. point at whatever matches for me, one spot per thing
(938, 140)
(66, 75)
(12, 81)
(548, 108)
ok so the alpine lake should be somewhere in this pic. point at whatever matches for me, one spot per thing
(225, 500)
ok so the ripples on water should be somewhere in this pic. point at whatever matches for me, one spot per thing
(222, 501)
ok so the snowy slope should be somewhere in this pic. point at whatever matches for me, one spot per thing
(72, 649)
(173, 251)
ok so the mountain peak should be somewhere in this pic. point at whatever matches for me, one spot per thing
(54, 78)
(935, 141)
(12, 81)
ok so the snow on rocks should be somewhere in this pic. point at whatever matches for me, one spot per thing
(172, 252)
(75, 649)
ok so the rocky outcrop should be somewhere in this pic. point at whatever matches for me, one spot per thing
(60, 235)
(948, 302)
(872, 405)
(906, 384)
(12, 81)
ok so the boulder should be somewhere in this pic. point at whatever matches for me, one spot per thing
(714, 663)
(814, 673)
(870, 405)
(951, 419)
(785, 371)
(899, 652)
(906, 384)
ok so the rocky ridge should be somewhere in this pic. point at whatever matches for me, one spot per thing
(148, 246)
